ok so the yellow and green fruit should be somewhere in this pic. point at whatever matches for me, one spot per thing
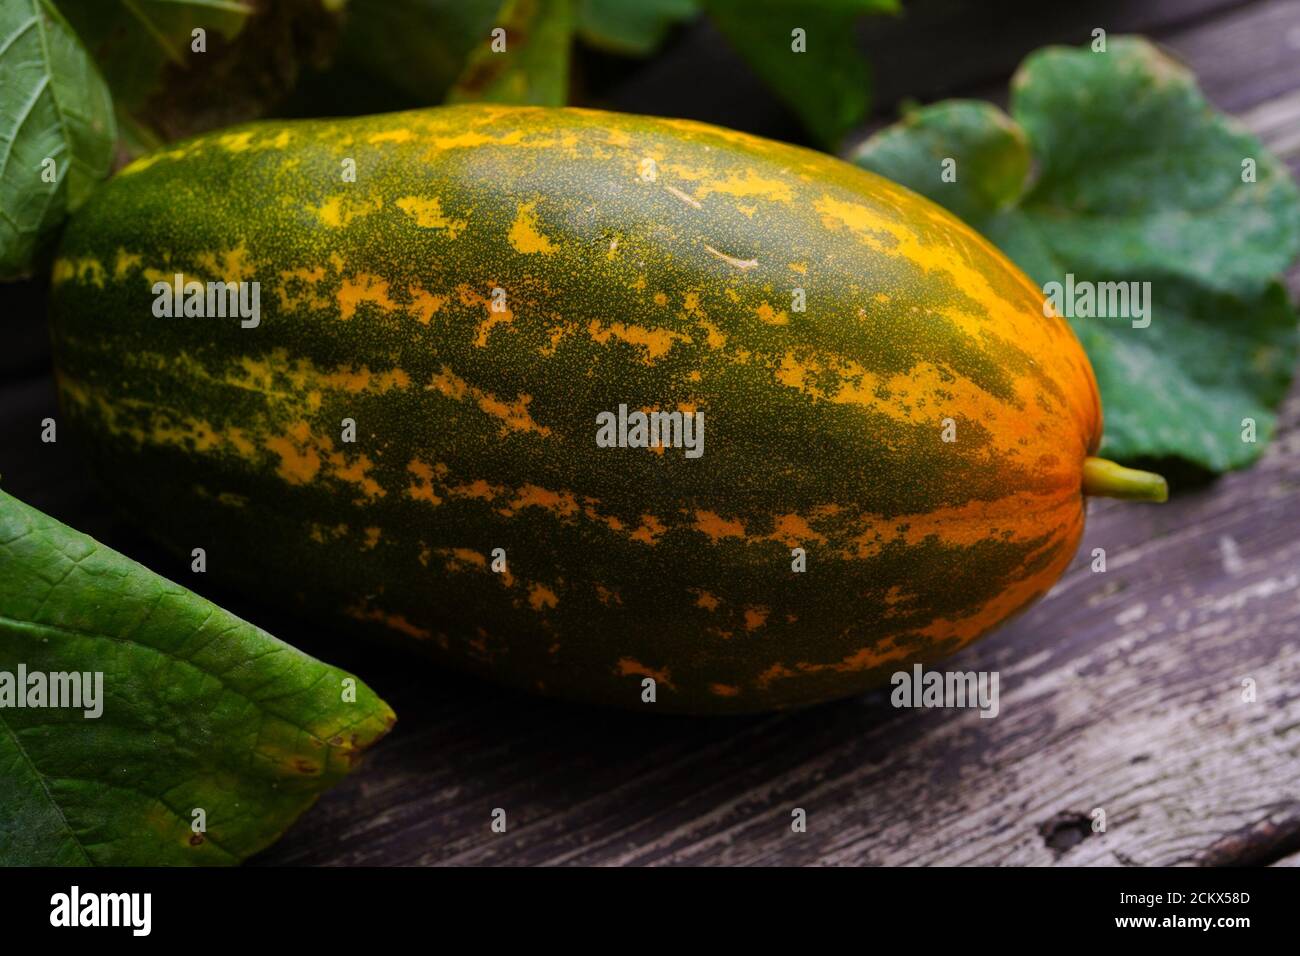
(491, 281)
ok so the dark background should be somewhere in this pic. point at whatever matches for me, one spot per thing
(1120, 690)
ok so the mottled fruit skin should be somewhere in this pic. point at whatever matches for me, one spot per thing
(648, 262)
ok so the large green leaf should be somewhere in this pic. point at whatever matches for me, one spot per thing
(201, 711)
(56, 128)
(533, 68)
(1137, 179)
(829, 84)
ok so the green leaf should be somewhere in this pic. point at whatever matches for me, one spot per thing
(199, 711)
(1137, 179)
(534, 66)
(632, 29)
(1182, 390)
(994, 155)
(828, 85)
(55, 107)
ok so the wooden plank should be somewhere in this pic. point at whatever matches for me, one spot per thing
(1247, 56)
(943, 48)
(1277, 123)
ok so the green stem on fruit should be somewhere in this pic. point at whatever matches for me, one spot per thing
(1108, 480)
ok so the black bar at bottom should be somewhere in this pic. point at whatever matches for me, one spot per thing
(383, 906)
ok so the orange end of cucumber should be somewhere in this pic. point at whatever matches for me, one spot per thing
(1106, 479)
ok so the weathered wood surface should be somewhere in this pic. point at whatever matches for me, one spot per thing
(1120, 691)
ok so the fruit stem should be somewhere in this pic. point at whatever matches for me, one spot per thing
(1109, 480)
